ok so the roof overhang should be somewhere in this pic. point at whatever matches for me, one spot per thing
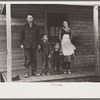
(70, 3)
(76, 3)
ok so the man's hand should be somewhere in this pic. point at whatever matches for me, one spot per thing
(22, 46)
(39, 46)
(49, 56)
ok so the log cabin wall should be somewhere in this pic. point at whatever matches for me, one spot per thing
(81, 22)
(3, 52)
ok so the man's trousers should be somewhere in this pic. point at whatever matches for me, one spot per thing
(30, 59)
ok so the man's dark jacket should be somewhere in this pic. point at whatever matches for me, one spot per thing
(30, 36)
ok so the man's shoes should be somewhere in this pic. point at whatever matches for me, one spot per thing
(15, 78)
(38, 74)
(26, 75)
(47, 73)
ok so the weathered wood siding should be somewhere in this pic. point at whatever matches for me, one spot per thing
(80, 20)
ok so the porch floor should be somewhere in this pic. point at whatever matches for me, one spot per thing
(77, 75)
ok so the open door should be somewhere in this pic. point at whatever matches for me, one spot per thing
(54, 23)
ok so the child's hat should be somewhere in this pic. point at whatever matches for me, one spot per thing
(42, 34)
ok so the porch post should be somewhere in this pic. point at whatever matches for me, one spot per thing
(9, 47)
(96, 38)
(46, 23)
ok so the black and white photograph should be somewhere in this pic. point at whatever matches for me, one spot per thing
(50, 49)
(49, 42)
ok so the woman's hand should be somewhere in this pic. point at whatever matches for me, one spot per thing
(22, 46)
(39, 46)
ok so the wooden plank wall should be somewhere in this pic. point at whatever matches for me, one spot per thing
(80, 19)
(81, 23)
(2, 42)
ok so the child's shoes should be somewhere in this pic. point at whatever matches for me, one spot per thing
(43, 74)
(69, 71)
(47, 73)
(65, 71)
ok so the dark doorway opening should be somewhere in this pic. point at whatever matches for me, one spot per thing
(55, 22)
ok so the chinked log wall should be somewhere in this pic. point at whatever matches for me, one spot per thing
(80, 20)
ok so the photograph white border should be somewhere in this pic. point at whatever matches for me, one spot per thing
(53, 89)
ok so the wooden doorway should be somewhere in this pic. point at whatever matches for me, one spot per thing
(54, 23)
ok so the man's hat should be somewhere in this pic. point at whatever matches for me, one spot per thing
(29, 13)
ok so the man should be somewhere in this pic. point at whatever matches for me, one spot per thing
(30, 40)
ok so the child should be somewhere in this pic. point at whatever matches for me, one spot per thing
(45, 54)
(68, 52)
(56, 59)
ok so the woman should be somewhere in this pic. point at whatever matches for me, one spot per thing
(65, 30)
(67, 47)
